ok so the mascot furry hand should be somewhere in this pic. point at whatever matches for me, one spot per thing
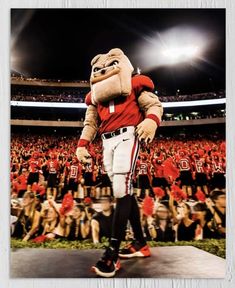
(117, 100)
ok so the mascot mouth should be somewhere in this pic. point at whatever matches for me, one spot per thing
(102, 73)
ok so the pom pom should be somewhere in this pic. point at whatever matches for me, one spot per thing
(148, 206)
(200, 196)
(159, 192)
(170, 171)
(87, 201)
(67, 204)
(177, 193)
(39, 239)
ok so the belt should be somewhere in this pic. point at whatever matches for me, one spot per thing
(117, 132)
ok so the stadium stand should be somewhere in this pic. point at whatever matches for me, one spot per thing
(179, 178)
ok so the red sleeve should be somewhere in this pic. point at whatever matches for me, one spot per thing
(142, 83)
(88, 99)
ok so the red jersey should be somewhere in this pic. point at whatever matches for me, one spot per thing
(34, 165)
(75, 171)
(143, 168)
(217, 167)
(199, 166)
(53, 166)
(184, 164)
(122, 111)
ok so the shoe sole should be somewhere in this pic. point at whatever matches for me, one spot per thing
(132, 255)
(103, 274)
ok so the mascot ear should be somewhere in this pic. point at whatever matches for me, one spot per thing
(115, 52)
(95, 59)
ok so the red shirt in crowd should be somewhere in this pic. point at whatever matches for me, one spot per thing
(199, 165)
(53, 166)
(34, 165)
(22, 182)
(217, 166)
(142, 166)
(184, 163)
(75, 171)
(158, 168)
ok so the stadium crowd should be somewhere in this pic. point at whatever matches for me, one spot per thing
(48, 94)
(76, 96)
(179, 184)
(193, 97)
(20, 77)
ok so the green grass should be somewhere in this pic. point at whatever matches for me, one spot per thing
(213, 246)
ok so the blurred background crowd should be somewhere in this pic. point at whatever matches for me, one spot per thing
(179, 184)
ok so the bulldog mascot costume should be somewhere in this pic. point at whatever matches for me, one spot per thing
(123, 110)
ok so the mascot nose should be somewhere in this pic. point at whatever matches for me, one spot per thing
(102, 71)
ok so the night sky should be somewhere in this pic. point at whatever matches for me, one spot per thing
(60, 43)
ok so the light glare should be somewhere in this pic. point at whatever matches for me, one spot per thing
(180, 54)
(179, 44)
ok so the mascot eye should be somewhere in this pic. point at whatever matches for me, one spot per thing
(96, 69)
(115, 62)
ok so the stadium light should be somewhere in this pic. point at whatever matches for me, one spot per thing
(175, 55)
(179, 44)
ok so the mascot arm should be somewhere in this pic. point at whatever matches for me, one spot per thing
(151, 105)
(88, 134)
(90, 126)
(153, 110)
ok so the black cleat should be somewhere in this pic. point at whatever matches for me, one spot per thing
(134, 249)
(108, 264)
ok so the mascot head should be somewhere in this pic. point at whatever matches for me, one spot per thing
(110, 76)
